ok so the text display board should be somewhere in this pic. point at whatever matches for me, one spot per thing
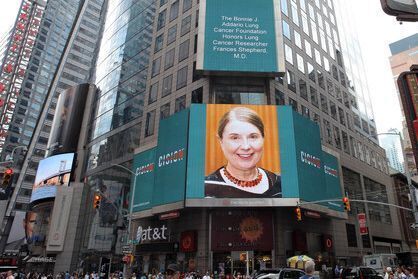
(240, 36)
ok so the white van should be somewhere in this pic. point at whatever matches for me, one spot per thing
(380, 261)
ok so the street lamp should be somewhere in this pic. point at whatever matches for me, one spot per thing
(407, 173)
(10, 157)
(132, 196)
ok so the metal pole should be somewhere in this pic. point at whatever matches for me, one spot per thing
(248, 264)
(125, 266)
(408, 179)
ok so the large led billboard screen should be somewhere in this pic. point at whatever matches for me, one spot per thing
(52, 172)
(236, 155)
(241, 36)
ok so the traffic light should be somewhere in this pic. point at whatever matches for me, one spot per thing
(298, 213)
(96, 200)
(7, 175)
(346, 202)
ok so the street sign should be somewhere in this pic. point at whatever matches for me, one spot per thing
(361, 217)
(126, 249)
(413, 226)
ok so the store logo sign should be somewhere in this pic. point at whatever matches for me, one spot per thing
(310, 159)
(151, 234)
(171, 157)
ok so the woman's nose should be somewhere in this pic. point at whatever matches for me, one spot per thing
(245, 144)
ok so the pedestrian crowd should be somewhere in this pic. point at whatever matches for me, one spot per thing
(401, 272)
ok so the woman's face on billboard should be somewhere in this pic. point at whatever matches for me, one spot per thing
(242, 145)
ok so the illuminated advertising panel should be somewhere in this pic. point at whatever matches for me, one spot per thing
(241, 155)
(53, 172)
(161, 171)
(21, 232)
(241, 36)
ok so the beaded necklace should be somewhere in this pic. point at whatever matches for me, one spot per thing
(244, 183)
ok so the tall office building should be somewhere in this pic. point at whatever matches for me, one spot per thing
(146, 72)
(70, 27)
(404, 55)
(393, 151)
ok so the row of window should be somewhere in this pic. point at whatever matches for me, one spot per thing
(179, 104)
(335, 136)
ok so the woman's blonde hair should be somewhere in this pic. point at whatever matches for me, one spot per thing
(241, 114)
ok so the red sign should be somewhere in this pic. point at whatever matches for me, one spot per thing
(242, 230)
(361, 217)
(188, 241)
(312, 214)
(170, 215)
(327, 243)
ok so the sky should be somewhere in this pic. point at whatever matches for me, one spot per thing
(376, 31)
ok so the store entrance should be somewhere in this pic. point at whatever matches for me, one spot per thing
(238, 263)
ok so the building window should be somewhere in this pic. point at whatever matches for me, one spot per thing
(150, 123)
(156, 64)
(328, 132)
(305, 26)
(330, 87)
(299, 60)
(162, 2)
(317, 57)
(197, 96)
(185, 25)
(181, 78)
(184, 50)
(153, 92)
(314, 97)
(298, 40)
(159, 43)
(279, 97)
(288, 54)
(337, 137)
(294, 104)
(291, 81)
(161, 19)
(196, 75)
(187, 4)
(286, 29)
(321, 80)
(174, 10)
(283, 4)
(303, 89)
(326, 65)
(346, 145)
(165, 111)
(180, 103)
(333, 109)
(295, 16)
(167, 81)
(171, 34)
(324, 103)
(305, 111)
(169, 59)
(351, 235)
(341, 115)
(311, 72)
(195, 44)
